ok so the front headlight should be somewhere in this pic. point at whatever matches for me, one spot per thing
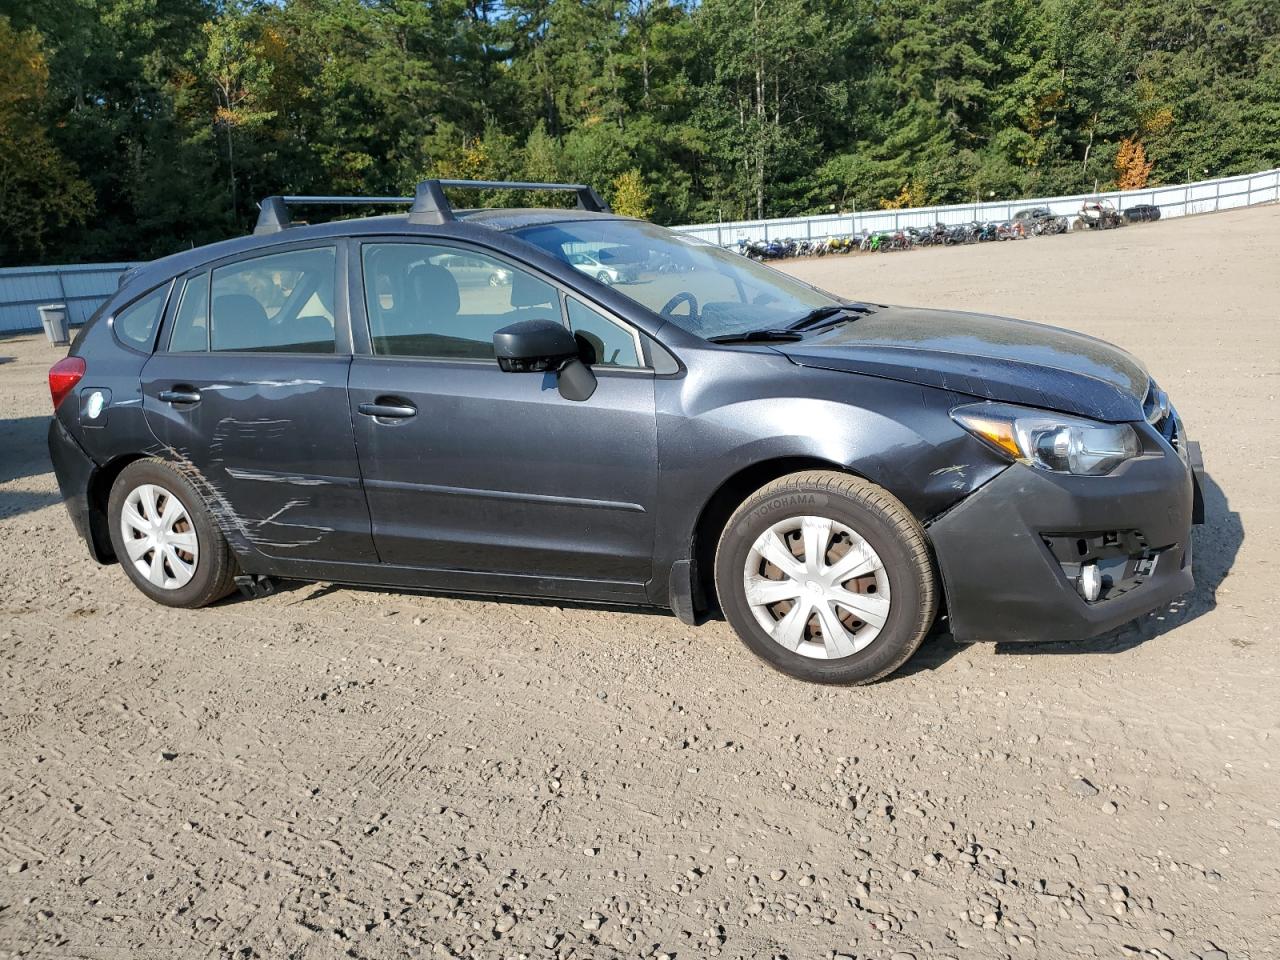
(1050, 441)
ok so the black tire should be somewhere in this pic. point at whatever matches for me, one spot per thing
(604, 278)
(215, 566)
(883, 522)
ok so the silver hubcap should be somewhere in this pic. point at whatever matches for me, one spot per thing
(159, 536)
(817, 587)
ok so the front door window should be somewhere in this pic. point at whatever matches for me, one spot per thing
(439, 303)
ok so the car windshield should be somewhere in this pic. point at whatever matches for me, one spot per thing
(700, 287)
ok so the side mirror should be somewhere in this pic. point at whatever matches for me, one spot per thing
(540, 346)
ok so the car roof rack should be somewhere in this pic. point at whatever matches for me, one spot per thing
(429, 204)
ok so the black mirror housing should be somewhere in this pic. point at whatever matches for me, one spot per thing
(576, 381)
(534, 346)
(541, 346)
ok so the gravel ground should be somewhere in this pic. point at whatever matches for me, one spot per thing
(334, 772)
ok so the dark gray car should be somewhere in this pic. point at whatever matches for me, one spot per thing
(356, 402)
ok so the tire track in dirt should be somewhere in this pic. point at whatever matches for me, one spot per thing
(332, 772)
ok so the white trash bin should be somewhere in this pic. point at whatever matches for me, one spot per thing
(53, 317)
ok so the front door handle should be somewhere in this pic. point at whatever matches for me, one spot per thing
(388, 408)
(180, 395)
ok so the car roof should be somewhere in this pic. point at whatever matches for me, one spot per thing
(516, 218)
(468, 225)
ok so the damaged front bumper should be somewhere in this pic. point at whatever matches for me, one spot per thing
(1034, 555)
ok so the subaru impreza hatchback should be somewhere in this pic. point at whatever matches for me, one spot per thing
(358, 402)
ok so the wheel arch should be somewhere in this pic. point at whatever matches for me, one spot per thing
(719, 507)
(100, 483)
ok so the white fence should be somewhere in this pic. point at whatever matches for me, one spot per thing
(82, 287)
(1205, 196)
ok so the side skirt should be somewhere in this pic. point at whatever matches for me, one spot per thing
(452, 581)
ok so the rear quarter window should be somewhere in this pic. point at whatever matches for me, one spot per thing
(135, 325)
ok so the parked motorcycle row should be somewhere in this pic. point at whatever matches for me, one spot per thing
(905, 239)
(1032, 222)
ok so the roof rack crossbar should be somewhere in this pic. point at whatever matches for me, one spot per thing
(274, 211)
(345, 200)
(429, 204)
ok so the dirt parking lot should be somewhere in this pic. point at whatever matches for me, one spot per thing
(334, 772)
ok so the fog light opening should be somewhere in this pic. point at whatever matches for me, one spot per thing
(1089, 583)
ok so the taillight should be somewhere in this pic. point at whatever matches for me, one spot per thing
(63, 377)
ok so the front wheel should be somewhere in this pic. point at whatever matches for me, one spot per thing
(827, 578)
(604, 278)
(165, 539)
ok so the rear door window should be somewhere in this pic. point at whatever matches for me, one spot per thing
(278, 303)
(191, 325)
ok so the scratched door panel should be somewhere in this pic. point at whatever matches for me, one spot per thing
(270, 445)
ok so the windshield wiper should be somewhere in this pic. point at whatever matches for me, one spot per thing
(758, 336)
(827, 316)
(815, 319)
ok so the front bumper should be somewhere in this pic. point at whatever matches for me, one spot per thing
(996, 548)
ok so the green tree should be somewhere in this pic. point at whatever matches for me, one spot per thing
(240, 73)
(631, 195)
(39, 188)
(718, 108)
(764, 95)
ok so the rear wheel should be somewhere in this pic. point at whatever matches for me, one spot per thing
(165, 539)
(827, 578)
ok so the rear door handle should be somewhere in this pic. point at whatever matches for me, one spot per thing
(384, 408)
(180, 395)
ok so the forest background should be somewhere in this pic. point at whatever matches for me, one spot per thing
(133, 128)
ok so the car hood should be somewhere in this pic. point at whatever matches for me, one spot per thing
(993, 358)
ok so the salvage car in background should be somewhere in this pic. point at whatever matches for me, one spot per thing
(593, 266)
(1098, 215)
(1142, 213)
(1031, 215)
(354, 402)
(1041, 221)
